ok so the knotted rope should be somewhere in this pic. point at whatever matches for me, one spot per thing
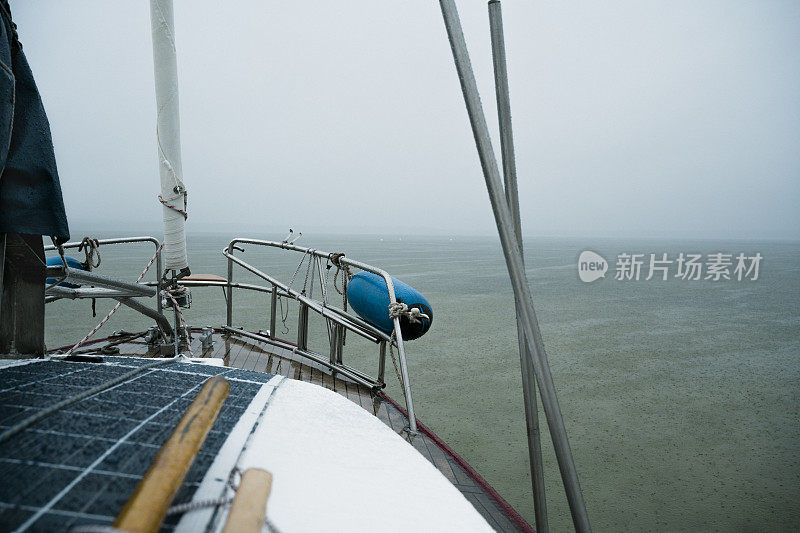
(347, 275)
(414, 315)
(91, 249)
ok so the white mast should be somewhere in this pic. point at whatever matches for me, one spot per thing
(168, 134)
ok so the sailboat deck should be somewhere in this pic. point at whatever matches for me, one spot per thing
(247, 354)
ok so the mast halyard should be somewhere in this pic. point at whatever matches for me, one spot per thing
(168, 135)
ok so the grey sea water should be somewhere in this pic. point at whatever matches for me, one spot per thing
(681, 398)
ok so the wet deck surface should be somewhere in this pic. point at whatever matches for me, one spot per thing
(248, 354)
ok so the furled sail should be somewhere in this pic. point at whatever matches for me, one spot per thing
(168, 133)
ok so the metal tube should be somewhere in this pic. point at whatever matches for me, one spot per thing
(302, 327)
(273, 311)
(229, 311)
(363, 266)
(513, 257)
(317, 358)
(340, 344)
(159, 271)
(356, 321)
(88, 292)
(160, 319)
(103, 281)
(382, 362)
(223, 284)
(176, 337)
(101, 242)
(370, 333)
(333, 344)
(512, 197)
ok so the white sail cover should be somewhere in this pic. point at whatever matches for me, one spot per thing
(168, 133)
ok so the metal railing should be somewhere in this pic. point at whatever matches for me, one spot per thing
(337, 319)
(124, 240)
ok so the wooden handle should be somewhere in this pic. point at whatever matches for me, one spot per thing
(248, 511)
(146, 509)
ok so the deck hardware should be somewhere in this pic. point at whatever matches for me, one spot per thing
(207, 338)
(148, 505)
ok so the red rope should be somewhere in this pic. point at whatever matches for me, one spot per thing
(114, 310)
(178, 209)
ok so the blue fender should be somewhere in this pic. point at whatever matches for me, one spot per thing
(71, 263)
(369, 298)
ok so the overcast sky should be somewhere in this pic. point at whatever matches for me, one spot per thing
(631, 119)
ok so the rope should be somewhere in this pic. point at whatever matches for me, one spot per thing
(309, 271)
(347, 275)
(178, 209)
(114, 309)
(284, 317)
(91, 249)
(414, 315)
(335, 258)
(171, 295)
(47, 411)
(392, 341)
(95, 529)
(200, 504)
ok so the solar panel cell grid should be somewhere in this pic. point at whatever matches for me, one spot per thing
(80, 465)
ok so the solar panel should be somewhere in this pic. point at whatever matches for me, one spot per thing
(80, 465)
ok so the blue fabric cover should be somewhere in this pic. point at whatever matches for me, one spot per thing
(30, 193)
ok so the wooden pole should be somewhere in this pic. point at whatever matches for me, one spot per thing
(248, 511)
(149, 503)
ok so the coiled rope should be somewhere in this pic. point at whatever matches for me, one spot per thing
(91, 249)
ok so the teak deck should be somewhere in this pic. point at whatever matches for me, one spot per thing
(248, 354)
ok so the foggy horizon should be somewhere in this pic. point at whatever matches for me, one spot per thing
(631, 120)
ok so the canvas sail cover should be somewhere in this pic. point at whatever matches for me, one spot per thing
(30, 193)
(168, 134)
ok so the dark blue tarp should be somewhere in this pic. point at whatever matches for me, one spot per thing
(30, 194)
